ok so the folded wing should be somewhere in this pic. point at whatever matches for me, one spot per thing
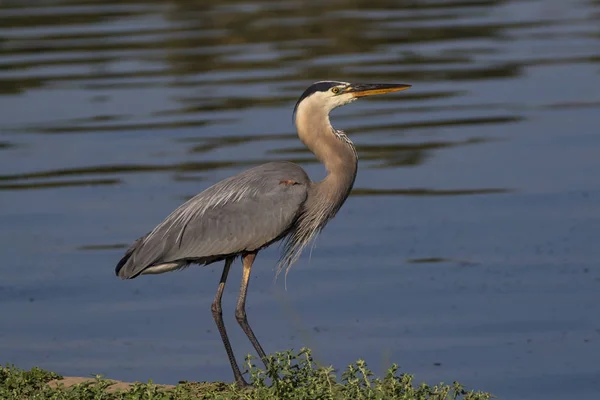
(242, 213)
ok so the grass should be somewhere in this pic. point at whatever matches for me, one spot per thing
(290, 376)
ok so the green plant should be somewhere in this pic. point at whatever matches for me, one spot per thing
(290, 376)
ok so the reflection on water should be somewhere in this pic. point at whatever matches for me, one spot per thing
(112, 113)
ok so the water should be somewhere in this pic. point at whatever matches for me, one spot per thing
(467, 251)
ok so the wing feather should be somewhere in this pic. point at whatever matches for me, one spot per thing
(241, 213)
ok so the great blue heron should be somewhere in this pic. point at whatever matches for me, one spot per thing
(247, 212)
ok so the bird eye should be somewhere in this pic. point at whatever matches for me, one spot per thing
(335, 90)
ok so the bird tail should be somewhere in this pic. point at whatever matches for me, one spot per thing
(124, 268)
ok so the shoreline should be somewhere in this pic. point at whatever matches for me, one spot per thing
(115, 385)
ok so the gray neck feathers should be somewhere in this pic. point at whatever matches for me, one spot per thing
(335, 150)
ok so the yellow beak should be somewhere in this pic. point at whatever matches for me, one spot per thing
(369, 89)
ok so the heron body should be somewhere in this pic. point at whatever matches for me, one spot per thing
(239, 216)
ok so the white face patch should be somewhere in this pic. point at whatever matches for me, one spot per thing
(329, 100)
(342, 99)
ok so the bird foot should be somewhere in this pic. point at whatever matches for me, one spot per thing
(242, 384)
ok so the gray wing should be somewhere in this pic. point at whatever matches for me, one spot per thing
(242, 213)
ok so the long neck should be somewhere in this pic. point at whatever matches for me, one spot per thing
(325, 198)
(333, 149)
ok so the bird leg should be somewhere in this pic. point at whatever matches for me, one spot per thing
(218, 317)
(240, 309)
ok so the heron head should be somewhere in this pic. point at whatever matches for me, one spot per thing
(328, 95)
